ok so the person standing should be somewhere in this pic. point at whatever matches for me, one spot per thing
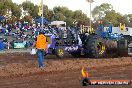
(42, 47)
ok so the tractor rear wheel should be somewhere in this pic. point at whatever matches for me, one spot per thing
(96, 46)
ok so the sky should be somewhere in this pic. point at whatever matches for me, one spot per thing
(121, 6)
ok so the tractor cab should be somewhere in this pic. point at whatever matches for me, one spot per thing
(59, 29)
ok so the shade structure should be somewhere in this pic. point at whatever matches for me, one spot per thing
(39, 20)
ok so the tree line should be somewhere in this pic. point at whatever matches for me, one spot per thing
(107, 14)
(104, 13)
(58, 13)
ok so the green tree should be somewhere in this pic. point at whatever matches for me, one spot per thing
(100, 11)
(122, 19)
(63, 13)
(45, 11)
(80, 17)
(4, 6)
(50, 15)
(111, 16)
(129, 19)
(59, 17)
(69, 21)
(31, 8)
(60, 9)
(2, 10)
(15, 10)
(115, 18)
(35, 12)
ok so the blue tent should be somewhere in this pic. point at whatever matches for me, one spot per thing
(2, 17)
(39, 20)
(2, 46)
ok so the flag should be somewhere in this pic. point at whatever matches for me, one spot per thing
(122, 27)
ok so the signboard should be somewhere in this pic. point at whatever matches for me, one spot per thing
(19, 45)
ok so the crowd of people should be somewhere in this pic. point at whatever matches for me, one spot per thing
(20, 32)
(25, 33)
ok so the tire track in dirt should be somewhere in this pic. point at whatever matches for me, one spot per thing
(70, 79)
(21, 71)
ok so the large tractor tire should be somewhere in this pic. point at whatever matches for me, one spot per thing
(111, 46)
(96, 46)
(60, 52)
(122, 47)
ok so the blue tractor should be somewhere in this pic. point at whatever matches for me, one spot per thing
(116, 39)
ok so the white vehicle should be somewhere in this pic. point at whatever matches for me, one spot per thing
(58, 24)
(130, 49)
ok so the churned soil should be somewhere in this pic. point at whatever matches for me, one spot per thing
(20, 70)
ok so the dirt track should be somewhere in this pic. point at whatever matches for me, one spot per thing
(21, 71)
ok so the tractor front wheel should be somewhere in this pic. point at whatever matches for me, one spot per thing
(60, 52)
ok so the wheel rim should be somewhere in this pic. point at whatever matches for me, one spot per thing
(60, 52)
(101, 48)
